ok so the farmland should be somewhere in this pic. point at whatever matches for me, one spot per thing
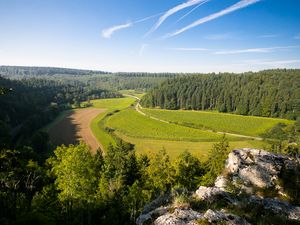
(244, 125)
(175, 148)
(133, 124)
(186, 130)
(74, 126)
(110, 105)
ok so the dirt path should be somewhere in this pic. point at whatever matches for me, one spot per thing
(138, 108)
(74, 127)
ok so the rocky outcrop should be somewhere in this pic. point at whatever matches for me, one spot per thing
(257, 167)
(252, 180)
(191, 217)
(179, 217)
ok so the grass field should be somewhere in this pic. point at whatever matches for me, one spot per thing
(175, 148)
(245, 125)
(132, 124)
(110, 105)
(136, 93)
(150, 136)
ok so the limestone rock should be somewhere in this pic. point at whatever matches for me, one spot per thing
(208, 193)
(179, 217)
(220, 216)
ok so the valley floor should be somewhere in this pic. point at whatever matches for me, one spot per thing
(151, 130)
(74, 126)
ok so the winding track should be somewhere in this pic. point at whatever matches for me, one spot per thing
(138, 108)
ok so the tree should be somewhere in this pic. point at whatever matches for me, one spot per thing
(161, 173)
(188, 171)
(39, 142)
(216, 161)
(76, 179)
(276, 137)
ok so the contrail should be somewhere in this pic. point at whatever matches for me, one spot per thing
(148, 18)
(192, 10)
(107, 33)
(237, 6)
(255, 50)
(173, 11)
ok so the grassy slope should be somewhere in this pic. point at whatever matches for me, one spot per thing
(138, 94)
(110, 104)
(245, 125)
(175, 148)
(131, 123)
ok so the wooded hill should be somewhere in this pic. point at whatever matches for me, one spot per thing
(44, 71)
(271, 93)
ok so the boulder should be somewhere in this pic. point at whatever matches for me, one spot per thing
(179, 217)
(223, 217)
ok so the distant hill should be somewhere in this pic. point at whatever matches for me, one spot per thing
(44, 71)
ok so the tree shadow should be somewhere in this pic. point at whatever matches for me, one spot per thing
(65, 132)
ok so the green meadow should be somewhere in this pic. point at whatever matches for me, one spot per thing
(185, 132)
(132, 124)
(175, 148)
(224, 122)
(110, 105)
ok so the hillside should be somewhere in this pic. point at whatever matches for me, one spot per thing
(271, 93)
(256, 187)
(44, 71)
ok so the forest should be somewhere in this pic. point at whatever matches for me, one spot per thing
(44, 184)
(271, 93)
(31, 103)
(96, 79)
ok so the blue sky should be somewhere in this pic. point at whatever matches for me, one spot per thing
(151, 35)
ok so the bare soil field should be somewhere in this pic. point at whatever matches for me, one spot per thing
(74, 127)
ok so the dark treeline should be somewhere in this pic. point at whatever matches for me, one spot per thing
(43, 71)
(99, 79)
(144, 74)
(272, 93)
(30, 104)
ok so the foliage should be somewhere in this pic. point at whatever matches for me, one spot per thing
(283, 138)
(188, 171)
(74, 169)
(34, 102)
(161, 172)
(271, 93)
(216, 161)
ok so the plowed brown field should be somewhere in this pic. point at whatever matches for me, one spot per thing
(74, 127)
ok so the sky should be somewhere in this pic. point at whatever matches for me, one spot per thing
(151, 35)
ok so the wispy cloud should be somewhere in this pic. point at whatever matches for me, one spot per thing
(273, 63)
(235, 7)
(297, 37)
(107, 33)
(217, 37)
(148, 18)
(189, 12)
(268, 36)
(189, 49)
(142, 49)
(254, 50)
(174, 10)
